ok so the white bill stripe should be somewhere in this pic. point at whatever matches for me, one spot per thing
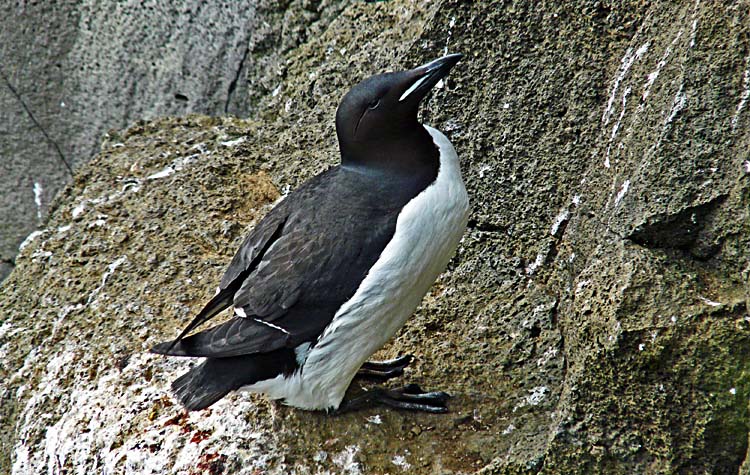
(413, 87)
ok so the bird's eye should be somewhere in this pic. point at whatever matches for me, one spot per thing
(373, 104)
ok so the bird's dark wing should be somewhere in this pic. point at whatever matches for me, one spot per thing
(245, 261)
(330, 237)
(254, 246)
(238, 336)
(296, 263)
(324, 253)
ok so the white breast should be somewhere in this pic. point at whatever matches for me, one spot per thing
(428, 231)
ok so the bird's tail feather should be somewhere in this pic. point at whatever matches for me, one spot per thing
(213, 379)
(193, 392)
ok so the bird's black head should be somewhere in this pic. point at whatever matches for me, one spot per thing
(376, 122)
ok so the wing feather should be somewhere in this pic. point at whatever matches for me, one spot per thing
(238, 336)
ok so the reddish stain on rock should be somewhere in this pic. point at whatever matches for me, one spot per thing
(200, 436)
(211, 464)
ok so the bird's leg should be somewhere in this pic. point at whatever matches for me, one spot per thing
(410, 397)
(384, 370)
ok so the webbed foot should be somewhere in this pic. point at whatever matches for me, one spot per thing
(410, 398)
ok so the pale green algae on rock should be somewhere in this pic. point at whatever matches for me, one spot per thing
(594, 320)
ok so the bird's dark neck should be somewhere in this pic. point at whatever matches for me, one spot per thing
(411, 153)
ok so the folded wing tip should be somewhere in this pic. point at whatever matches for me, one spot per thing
(171, 348)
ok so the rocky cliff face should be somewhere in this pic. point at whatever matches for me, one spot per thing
(595, 318)
(73, 70)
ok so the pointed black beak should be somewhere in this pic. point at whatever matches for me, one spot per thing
(422, 79)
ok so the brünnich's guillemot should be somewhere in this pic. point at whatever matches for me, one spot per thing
(331, 273)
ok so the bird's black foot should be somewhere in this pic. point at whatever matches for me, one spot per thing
(410, 398)
(384, 370)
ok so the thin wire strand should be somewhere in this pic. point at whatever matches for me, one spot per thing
(36, 123)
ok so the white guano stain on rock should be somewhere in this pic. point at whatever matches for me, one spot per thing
(110, 270)
(24, 372)
(233, 143)
(548, 355)
(709, 302)
(40, 253)
(678, 103)
(561, 218)
(625, 64)
(21, 460)
(99, 222)
(79, 209)
(130, 185)
(376, 419)
(483, 168)
(108, 425)
(536, 396)
(693, 31)
(650, 79)
(38, 190)
(347, 461)
(179, 164)
(652, 76)
(616, 127)
(7, 330)
(581, 285)
(27, 458)
(622, 192)
(400, 462)
(616, 331)
(165, 172)
(538, 261)
(30, 238)
(451, 24)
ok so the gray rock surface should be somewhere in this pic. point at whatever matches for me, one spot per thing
(73, 70)
(594, 320)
